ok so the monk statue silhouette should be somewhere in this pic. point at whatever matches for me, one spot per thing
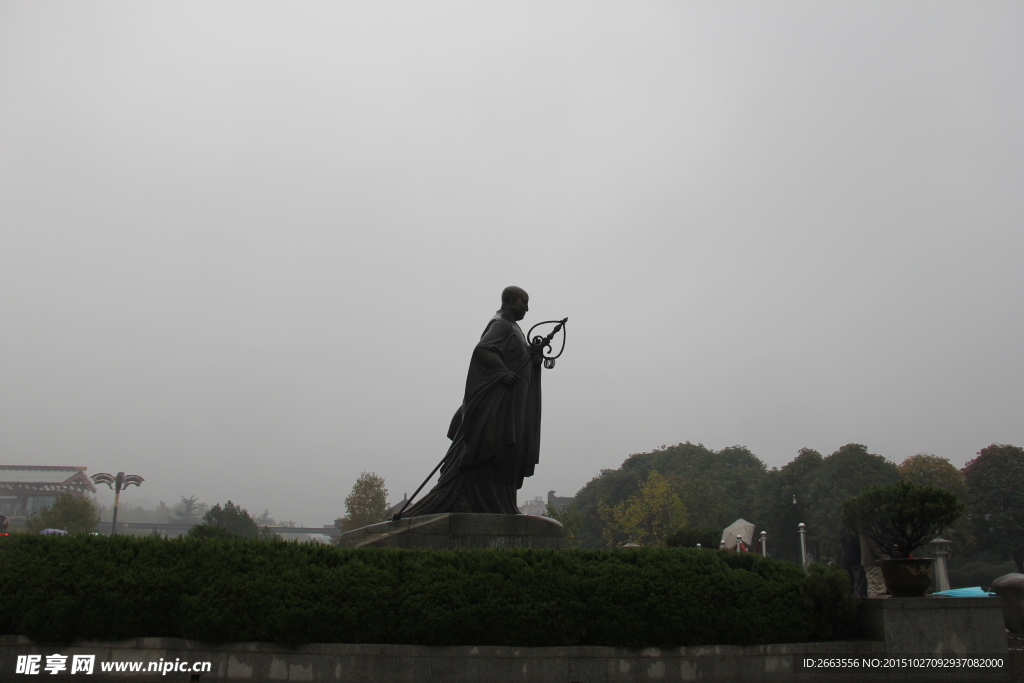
(496, 431)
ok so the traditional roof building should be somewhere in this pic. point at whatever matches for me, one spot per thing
(393, 510)
(25, 489)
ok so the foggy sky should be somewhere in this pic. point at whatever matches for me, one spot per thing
(247, 248)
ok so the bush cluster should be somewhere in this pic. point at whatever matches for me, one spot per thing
(688, 537)
(109, 588)
(828, 587)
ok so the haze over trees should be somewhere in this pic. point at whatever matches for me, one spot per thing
(187, 511)
(682, 494)
(995, 512)
(820, 486)
(646, 518)
(130, 511)
(679, 495)
(931, 470)
(778, 508)
(225, 522)
(265, 519)
(571, 520)
(70, 512)
(715, 487)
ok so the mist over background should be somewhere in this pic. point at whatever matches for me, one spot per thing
(246, 249)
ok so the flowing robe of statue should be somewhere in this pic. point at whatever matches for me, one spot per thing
(495, 433)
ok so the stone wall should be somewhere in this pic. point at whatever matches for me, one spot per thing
(899, 628)
(396, 663)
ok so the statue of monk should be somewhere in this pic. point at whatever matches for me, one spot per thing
(496, 432)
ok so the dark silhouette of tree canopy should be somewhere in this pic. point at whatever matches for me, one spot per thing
(719, 487)
(901, 517)
(73, 514)
(774, 509)
(716, 487)
(230, 520)
(995, 485)
(843, 474)
(820, 486)
(931, 470)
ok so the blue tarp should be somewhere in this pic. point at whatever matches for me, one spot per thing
(975, 592)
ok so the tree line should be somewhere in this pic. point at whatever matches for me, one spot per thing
(687, 493)
(678, 494)
(79, 514)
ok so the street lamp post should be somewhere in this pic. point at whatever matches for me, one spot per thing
(803, 544)
(117, 483)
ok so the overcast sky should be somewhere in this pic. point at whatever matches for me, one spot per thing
(247, 248)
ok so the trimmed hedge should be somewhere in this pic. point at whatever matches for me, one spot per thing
(111, 588)
(688, 537)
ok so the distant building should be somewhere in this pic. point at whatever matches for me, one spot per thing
(538, 506)
(25, 489)
(559, 502)
(535, 507)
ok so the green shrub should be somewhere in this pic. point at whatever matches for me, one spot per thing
(901, 517)
(688, 537)
(828, 587)
(109, 588)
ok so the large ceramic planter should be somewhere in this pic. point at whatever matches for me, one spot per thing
(907, 578)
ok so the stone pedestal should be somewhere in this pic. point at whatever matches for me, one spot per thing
(455, 530)
(936, 625)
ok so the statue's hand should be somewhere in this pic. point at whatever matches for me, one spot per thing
(510, 379)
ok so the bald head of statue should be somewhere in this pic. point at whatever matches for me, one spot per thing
(515, 302)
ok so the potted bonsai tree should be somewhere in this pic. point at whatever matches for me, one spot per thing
(901, 518)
